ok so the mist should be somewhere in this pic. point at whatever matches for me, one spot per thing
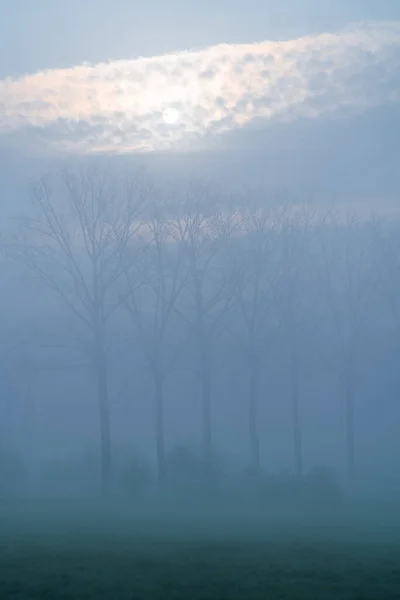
(241, 337)
(189, 367)
(200, 300)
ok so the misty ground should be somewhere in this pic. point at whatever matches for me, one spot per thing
(65, 550)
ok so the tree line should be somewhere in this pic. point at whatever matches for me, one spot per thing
(193, 269)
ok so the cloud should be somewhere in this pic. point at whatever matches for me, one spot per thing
(118, 106)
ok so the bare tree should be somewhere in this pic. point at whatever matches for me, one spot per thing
(299, 225)
(15, 369)
(347, 285)
(74, 241)
(202, 229)
(153, 288)
(387, 242)
(255, 269)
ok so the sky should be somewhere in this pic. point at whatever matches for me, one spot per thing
(296, 81)
(58, 34)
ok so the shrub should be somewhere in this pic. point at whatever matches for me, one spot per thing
(135, 476)
(187, 471)
(322, 486)
(319, 487)
(72, 475)
(14, 476)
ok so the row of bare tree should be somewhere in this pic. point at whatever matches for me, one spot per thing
(193, 267)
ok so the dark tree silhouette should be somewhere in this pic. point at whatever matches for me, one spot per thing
(153, 288)
(74, 241)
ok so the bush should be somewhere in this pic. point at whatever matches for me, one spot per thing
(318, 487)
(322, 486)
(74, 475)
(188, 473)
(135, 476)
(14, 476)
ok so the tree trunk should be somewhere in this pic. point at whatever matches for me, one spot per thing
(205, 376)
(350, 427)
(253, 430)
(159, 426)
(297, 433)
(104, 413)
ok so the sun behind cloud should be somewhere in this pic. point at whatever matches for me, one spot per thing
(175, 100)
(170, 115)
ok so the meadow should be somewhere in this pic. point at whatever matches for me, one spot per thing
(125, 553)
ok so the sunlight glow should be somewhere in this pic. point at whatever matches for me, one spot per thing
(170, 116)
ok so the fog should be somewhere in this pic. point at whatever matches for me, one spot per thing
(200, 299)
(167, 341)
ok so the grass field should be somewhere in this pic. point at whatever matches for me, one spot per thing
(168, 556)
